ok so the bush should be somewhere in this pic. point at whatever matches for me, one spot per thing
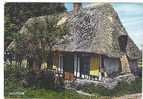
(19, 79)
(13, 71)
(13, 76)
(43, 79)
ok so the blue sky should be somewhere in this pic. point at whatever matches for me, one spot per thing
(131, 16)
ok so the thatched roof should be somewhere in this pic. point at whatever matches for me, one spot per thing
(94, 29)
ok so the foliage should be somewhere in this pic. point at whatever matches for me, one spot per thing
(19, 78)
(44, 79)
(36, 46)
(14, 84)
(16, 14)
(13, 76)
(40, 40)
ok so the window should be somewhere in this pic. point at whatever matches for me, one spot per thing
(123, 42)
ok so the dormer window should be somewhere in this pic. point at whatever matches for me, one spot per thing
(123, 42)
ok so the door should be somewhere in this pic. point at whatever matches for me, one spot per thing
(68, 66)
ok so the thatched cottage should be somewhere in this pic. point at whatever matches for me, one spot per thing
(98, 43)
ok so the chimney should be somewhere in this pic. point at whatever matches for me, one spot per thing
(76, 8)
(65, 14)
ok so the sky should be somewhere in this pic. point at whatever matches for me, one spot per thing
(131, 16)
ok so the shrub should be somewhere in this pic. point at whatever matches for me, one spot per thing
(13, 76)
(43, 79)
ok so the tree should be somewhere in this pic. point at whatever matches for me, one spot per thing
(16, 14)
(38, 45)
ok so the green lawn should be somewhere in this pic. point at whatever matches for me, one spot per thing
(50, 94)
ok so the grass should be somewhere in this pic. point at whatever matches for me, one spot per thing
(49, 94)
